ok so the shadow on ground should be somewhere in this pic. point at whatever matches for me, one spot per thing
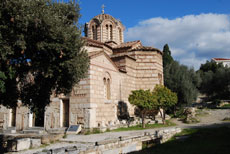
(195, 141)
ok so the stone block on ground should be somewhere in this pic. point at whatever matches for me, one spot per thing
(46, 139)
(18, 144)
(72, 150)
(58, 151)
(35, 143)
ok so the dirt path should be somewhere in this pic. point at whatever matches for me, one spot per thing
(208, 116)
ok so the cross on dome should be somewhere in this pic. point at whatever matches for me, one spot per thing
(103, 9)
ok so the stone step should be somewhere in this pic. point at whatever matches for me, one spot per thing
(10, 130)
(34, 131)
(35, 128)
(58, 130)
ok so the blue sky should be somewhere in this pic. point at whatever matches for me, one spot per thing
(196, 30)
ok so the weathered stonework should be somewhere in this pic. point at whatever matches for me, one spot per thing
(116, 68)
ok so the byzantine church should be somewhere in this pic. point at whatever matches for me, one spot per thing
(116, 68)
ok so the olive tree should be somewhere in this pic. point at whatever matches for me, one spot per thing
(40, 51)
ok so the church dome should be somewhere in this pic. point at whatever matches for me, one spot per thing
(105, 28)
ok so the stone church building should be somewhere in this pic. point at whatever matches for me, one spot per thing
(116, 68)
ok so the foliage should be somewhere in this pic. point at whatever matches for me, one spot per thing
(215, 80)
(41, 51)
(183, 81)
(144, 100)
(165, 99)
(210, 66)
(167, 58)
(180, 79)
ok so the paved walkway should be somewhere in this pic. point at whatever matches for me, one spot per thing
(213, 118)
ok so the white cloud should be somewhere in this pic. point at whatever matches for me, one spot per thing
(193, 39)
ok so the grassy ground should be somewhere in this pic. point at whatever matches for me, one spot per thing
(138, 127)
(148, 126)
(200, 141)
(225, 106)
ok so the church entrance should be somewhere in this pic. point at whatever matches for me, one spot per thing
(38, 118)
(65, 113)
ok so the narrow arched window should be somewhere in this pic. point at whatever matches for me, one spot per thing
(107, 32)
(94, 31)
(120, 34)
(105, 88)
(96, 37)
(111, 32)
(108, 89)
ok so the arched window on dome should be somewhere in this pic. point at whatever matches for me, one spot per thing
(120, 35)
(107, 32)
(111, 32)
(94, 30)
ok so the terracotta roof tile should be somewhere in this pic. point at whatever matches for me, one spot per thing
(123, 55)
(94, 43)
(127, 44)
(145, 48)
(220, 59)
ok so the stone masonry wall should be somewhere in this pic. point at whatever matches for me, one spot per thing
(106, 110)
(149, 68)
(80, 102)
(52, 115)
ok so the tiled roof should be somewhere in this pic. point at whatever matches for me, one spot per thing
(127, 44)
(145, 48)
(220, 59)
(123, 55)
(94, 43)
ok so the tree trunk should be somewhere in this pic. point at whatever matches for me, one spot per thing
(163, 119)
(143, 119)
(162, 115)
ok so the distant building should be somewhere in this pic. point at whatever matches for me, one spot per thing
(224, 61)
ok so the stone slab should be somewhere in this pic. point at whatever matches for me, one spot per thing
(18, 144)
(35, 143)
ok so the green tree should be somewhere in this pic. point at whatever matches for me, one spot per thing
(144, 100)
(179, 78)
(165, 99)
(40, 51)
(210, 66)
(167, 58)
(215, 80)
(183, 81)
